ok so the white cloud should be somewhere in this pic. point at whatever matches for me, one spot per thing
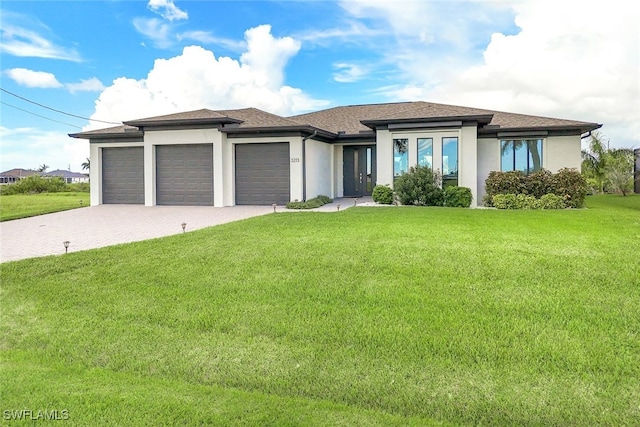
(30, 78)
(86, 85)
(197, 79)
(208, 38)
(155, 29)
(349, 73)
(18, 40)
(167, 10)
(55, 149)
(570, 59)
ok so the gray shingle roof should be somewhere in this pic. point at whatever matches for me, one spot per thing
(349, 119)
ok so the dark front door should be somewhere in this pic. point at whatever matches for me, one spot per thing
(359, 170)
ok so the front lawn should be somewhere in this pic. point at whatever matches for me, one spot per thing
(26, 205)
(369, 316)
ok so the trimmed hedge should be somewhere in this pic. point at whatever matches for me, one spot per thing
(316, 202)
(568, 184)
(525, 201)
(457, 197)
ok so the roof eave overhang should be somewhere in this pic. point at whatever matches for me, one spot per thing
(119, 135)
(278, 129)
(415, 122)
(214, 121)
(538, 130)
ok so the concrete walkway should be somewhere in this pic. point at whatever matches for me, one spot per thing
(106, 225)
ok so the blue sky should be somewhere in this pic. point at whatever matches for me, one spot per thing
(121, 60)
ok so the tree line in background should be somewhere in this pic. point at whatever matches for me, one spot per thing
(608, 170)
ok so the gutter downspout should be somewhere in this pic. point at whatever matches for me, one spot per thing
(304, 164)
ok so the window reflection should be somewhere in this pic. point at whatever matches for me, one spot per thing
(521, 155)
(400, 156)
(425, 152)
(449, 161)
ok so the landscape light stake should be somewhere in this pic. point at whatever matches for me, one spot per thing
(66, 246)
(355, 202)
(338, 206)
(80, 202)
(184, 226)
(274, 206)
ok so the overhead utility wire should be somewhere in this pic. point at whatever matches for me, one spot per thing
(38, 115)
(58, 111)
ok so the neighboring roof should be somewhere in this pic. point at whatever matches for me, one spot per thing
(346, 120)
(66, 174)
(18, 173)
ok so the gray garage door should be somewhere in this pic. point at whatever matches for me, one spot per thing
(262, 174)
(123, 175)
(184, 174)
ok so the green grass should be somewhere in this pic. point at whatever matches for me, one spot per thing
(370, 316)
(26, 205)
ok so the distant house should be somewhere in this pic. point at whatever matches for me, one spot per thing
(68, 176)
(15, 175)
(251, 157)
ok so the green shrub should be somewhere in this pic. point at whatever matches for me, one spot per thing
(420, 186)
(504, 183)
(571, 186)
(80, 187)
(35, 184)
(316, 202)
(505, 201)
(382, 194)
(550, 201)
(526, 201)
(457, 197)
(539, 183)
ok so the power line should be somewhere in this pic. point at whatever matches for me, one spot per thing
(57, 111)
(38, 115)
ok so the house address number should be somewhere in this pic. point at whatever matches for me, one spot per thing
(295, 160)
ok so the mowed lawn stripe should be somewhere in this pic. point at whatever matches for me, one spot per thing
(433, 314)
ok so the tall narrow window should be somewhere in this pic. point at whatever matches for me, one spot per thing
(400, 156)
(521, 155)
(449, 161)
(425, 152)
(369, 170)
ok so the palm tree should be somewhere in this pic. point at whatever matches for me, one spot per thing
(594, 160)
(43, 168)
(86, 165)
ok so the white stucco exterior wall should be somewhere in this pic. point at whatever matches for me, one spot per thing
(488, 160)
(319, 169)
(384, 157)
(468, 161)
(561, 152)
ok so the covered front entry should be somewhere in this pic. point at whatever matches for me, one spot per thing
(262, 174)
(184, 174)
(359, 170)
(123, 175)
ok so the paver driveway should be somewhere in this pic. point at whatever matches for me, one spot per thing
(105, 225)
